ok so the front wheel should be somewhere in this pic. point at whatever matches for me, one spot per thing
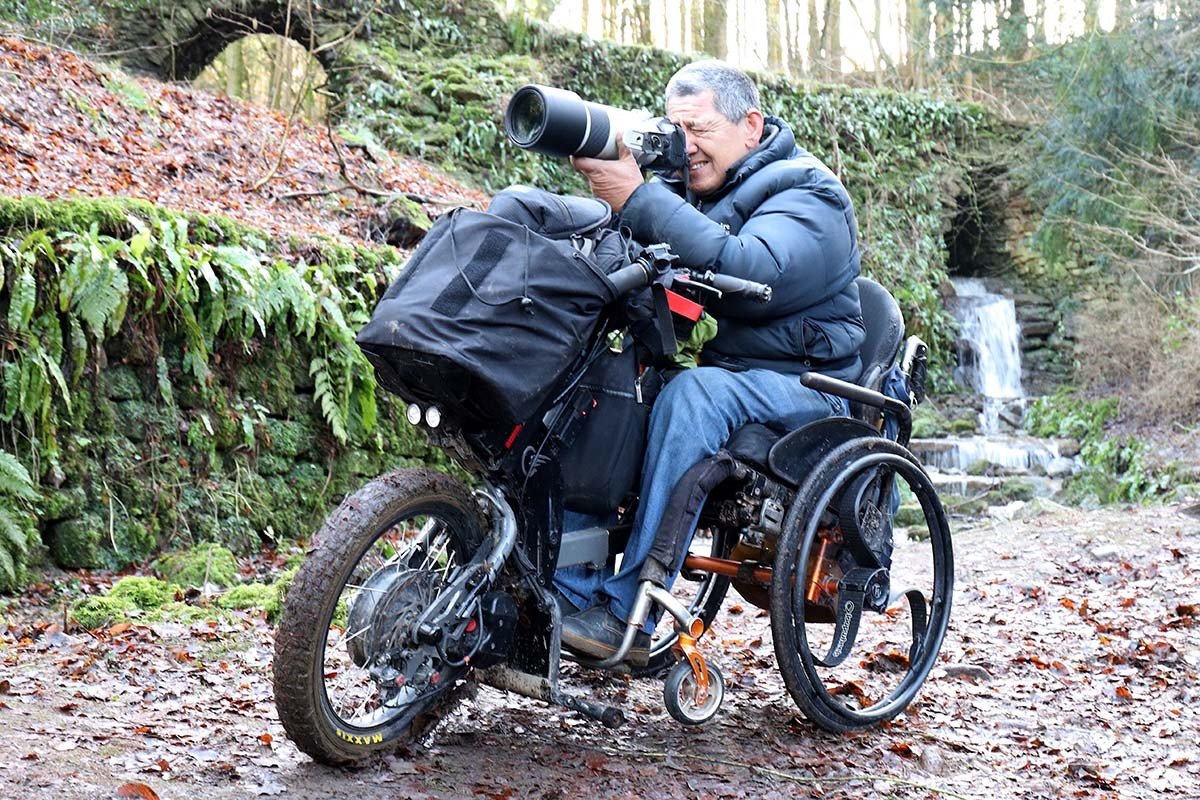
(351, 678)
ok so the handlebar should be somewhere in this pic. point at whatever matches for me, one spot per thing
(641, 273)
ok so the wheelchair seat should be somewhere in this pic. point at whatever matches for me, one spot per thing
(885, 334)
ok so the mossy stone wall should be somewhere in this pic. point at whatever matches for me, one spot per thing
(139, 455)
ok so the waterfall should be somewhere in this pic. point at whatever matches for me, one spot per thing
(989, 353)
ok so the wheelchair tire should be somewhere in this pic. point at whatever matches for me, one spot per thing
(845, 695)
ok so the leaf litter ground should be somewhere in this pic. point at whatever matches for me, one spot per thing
(1070, 670)
(71, 128)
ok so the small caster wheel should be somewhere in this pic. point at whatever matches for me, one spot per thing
(679, 694)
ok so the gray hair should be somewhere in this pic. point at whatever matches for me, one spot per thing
(734, 94)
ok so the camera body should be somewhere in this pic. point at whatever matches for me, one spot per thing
(557, 122)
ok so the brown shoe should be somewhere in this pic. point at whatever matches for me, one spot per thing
(597, 633)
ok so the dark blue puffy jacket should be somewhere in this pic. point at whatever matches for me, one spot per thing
(781, 218)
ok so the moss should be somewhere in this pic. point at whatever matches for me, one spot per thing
(95, 612)
(249, 596)
(966, 424)
(290, 438)
(60, 504)
(204, 563)
(123, 383)
(282, 584)
(1017, 488)
(980, 467)
(75, 543)
(910, 515)
(144, 593)
(927, 422)
(186, 613)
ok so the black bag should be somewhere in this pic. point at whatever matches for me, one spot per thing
(602, 463)
(487, 317)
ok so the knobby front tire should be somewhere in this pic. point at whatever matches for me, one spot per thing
(328, 703)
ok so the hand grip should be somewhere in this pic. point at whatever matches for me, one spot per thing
(636, 276)
(737, 287)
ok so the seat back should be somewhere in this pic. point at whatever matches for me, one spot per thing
(885, 335)
(885, 331)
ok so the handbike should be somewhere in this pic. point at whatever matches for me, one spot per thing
(418, 587)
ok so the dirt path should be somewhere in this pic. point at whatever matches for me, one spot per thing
(1069, 671)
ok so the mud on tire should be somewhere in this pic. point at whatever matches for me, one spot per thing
(378, 518)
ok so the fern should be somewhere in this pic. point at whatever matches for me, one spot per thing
(93, 287)
(9, 566)
(14, 479)
(24, 298)
(15, 486)
(327, 397)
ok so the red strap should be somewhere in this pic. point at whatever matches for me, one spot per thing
(683, 307)
(512, 437)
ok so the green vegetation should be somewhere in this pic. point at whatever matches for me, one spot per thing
(152, 600)
(179, 380)
(1115, 469)
(17, 493)
(206, 563)
(1116, 162)
(144, 593)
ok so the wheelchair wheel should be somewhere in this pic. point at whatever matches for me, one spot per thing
(703, 593)
(679, 694)
(859, 608)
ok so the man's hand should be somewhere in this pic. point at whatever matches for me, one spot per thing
(611, 181)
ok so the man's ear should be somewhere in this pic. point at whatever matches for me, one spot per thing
(754, 128)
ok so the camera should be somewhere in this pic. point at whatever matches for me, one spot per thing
(557, 122)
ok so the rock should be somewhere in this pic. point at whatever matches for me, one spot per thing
(931, 761)
(1022, 299)
(1068, 448)
(1060, 467)
(1037, 507)
(1011, 417)
(972, 671)
(1037, 329)
(75, 543)
(1105, 552)
(1017, 488)
(1006, 512)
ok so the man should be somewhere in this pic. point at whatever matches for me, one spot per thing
(753, 206)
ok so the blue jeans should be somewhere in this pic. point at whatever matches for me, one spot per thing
(692, 419)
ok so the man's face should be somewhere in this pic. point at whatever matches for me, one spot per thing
(714, 144)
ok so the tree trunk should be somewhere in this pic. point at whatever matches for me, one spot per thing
(776, 30)
(716, 42)
(918, 40)
(1014, 37)
(831, 37)
(642, 15)
(814, 39)
(697, 26)
(1124, 13)
(943, 33)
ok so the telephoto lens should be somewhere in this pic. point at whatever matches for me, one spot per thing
(557, 122)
